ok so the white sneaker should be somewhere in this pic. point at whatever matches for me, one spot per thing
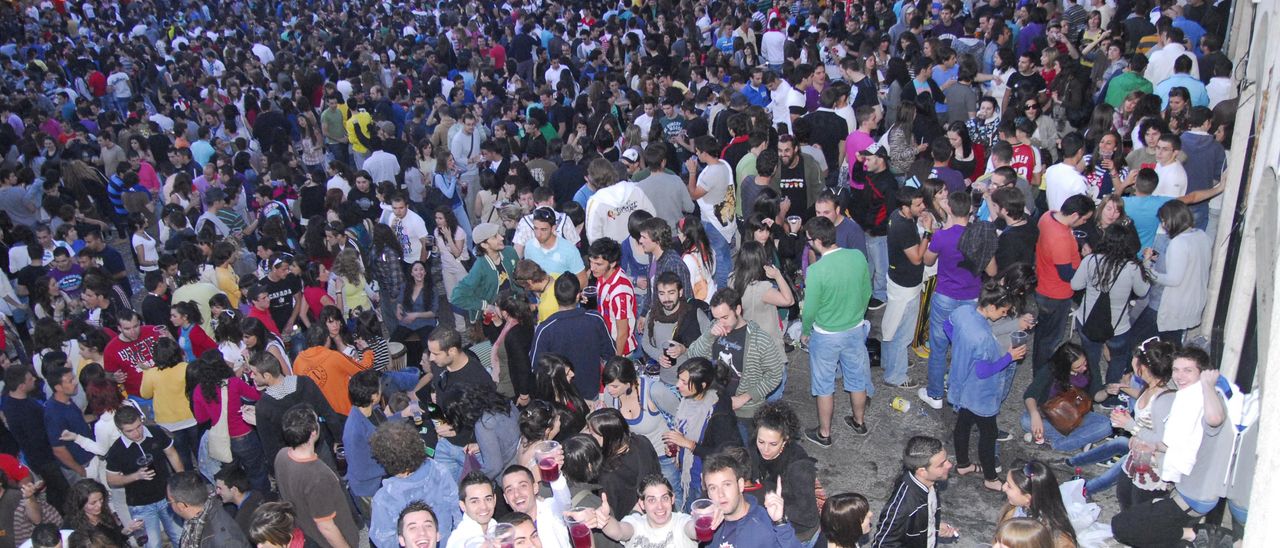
(935, 403)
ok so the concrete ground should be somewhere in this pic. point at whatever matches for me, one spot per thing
(869, 465)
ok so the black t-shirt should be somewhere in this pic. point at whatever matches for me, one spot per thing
(281, 294)
(791, 181)
(1034, 82)
(126, 457)
(29, 274)
(695, 127)
(1017, 244)
(729, 348)
(903, 235)
(447, 383)
(829, 129)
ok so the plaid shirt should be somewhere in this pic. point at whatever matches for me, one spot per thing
(385, 269)
(617, 301)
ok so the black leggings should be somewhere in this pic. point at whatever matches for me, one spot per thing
(1157, 523)
(1129, 495)
(987, 433)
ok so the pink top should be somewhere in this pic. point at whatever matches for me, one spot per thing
(856, 142)
(212, 410)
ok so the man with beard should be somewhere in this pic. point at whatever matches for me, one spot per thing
(678, 319)
(798, 176)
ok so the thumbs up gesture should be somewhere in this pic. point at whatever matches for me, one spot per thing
(773, 502)
(604, 512)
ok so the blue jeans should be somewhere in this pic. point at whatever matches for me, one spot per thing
(722, 251)
(464, 222)
(782, 387)
(939, 310)
(671, 471)
(1119, 362)
(247, 451)
(1051, 330)
(1100, 453)
(1093, 428)
(186, 442)
(847, 351)
(156, 516)
(878, 261)
(893, 351)
(451, 457)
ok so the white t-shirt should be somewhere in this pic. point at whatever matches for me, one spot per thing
(670, 535)
(719, 203)
(148, 251)
(409, 232)
(1061, 182)
(1173, 180)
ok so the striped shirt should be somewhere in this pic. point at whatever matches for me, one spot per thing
(617, 301)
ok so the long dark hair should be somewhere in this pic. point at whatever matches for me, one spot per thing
(472, 402)
(615, 435)
(551, 383)
(1037, 480)
(694, 238)
(1060, 363)
(210, 372)
(1115, 252)
(406, 299)
(78, 496)
(751, 260)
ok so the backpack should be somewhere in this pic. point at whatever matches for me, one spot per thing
(1098, 325)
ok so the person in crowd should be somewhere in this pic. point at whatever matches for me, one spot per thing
(478, 499)
(1031, 491)
(88, 507)
(774, 456)
(397, 447)
(957, 286)
(24, 417)
(845, 519)
(1066, 371)
(232, 486)
(916, 519)
(275, 524)
(280, 393)
(145, 477)
(1180, 276)
(907, 240)
(494, 269)
(737, 518)
(1057, 259)
(577, 334)
(205, 523)
(520, 492)
(364, 476)
(214, 388)
(625, 456)
(329, 369)
(1110, 276)
(304, 481)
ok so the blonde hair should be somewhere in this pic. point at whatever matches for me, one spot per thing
(347, 265)
(1023, 533)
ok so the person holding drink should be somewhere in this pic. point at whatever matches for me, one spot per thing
(732, 519)
(655, 524)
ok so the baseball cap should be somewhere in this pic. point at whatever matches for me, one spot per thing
(631, 156)
(484, 231)
(15, 471)
(875, 150)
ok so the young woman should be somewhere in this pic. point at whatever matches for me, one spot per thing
(635, 397)
(258, 340)
(451, 240)
(980, 378)
(539, 421)
(211, 376)
(968, 157)
(186, 319)
(766, 293)
(103, 398)
(48, 300)
(518, 321)
(627, 456)
(1105, 169)
(87, 508)
(144, 246)
(845, 518)
(339, 336)
(697, 256)
(1112, 268)
(553, 382)
(1067, 369)
(934, 193)
(1152, 365)
(348, 285)
(1181, 276)
(415, 312)
(1110, 212)
(481, 416)
(775, 460)
(230, 339)
(315, 293)
(166, 385)
(704, 423)
(1031, 491)
(274, 526)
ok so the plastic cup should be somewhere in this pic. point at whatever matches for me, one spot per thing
(703, 511)
(503, 536)
(579, 532)
(544, 456)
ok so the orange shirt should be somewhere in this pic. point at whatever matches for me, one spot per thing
(331, 370)
(1056, 246)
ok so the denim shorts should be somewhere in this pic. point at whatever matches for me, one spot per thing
(846, 352)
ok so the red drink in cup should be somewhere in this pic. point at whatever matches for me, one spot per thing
(672, 450)
(703, 511)
(545, 457)
(579, 532)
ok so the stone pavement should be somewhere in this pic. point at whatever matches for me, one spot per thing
(869, 465)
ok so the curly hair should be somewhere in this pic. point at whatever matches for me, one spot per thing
(78, 496)
(397, 447)
(210, 373)
(779, 417)
(474, 401)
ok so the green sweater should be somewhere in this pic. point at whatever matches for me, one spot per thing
(837, 289)
(480, 286)
(763, 362)
(1124, 84)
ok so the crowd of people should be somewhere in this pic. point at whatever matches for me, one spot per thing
(466, 274)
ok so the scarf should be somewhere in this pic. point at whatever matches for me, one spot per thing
(498, 343)
(193, 529)
(658, 315)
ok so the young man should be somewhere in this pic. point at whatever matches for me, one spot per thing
(713, 189)
(526, 531)
(1144, 206)
(613, 203)
(616, 298)
(1063, 180)
(364, 475)
(520, 490)
(913, 519)
(1205, 161)
(578, 334)
(664, 189)
(477, 497)
(747, 349)
(155, 305)
(838, 289)
(737, 521)
(24, 415)
(551, 252)
(874, 189)
(957, 285)
(451, 366)
(100, 310)
(416, 526)
(543, 197)
(69, 275)
(61, 414)
(659, 244)
(667, 322)
(656, 524)
(144, 477)
(409, 228)
(908, 239)
(207, 524)
(849, 235)
(284, 289)
(1173, 176)
(1017, 242)
(281, 393)
(412, 476)
(231, 484)
(1057, 258)
(312, 487)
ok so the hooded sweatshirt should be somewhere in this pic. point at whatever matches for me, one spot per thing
(331, 370)
(609, 209)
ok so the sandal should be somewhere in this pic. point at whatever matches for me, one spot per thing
(993, 485)
(966, 470)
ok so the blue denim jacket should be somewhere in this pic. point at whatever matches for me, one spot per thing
(431, 484)
(974, 347)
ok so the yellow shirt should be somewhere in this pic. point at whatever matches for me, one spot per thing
(547, 304)
(167, 388)
(355, 296)
(229, 283)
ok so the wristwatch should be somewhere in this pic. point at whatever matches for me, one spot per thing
(927, 234)
(782, 521)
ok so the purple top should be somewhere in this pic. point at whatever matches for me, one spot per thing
(1078, 381)
(953, 281)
